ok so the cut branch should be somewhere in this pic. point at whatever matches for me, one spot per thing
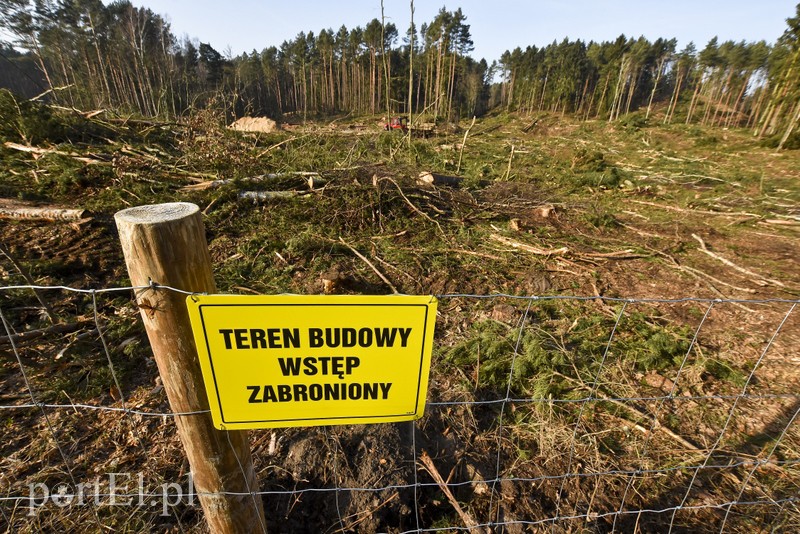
(528, 248)
(370, 264)
(758, 278)
(411, 204)
(638, 414)
(469, 522)
(47, 308)
(700, 212)
(257, 196)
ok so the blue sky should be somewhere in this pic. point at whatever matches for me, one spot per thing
(496, 25)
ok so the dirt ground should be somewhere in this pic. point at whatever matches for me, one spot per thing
(575, 210)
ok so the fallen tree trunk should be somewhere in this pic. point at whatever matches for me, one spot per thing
(257, 196)
(10, 210)
(37, 151)
(438, 179)
(312, 180)
(528, 248)
(757, 278)
(58, 329)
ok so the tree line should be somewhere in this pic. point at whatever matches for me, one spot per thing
(89, 56)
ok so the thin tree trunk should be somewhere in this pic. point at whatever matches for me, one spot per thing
(603, 95)
(437, 85)
(693, 103)
(655, 86)
(791, 126)
(385, 64)
(452, 84)
(673, 101)
(411, 74)
(754, 112)
(617, 91)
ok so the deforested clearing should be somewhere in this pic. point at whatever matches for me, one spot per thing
(615, 260)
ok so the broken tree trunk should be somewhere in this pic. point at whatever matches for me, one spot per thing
(12, 210)
(36, 151)
(31, 335)
(528, 248)
(312, 180)
(269, 195)
(429, 178)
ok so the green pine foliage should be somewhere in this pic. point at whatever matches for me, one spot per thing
(91, 56)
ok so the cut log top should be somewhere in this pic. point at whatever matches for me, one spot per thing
(156, 213)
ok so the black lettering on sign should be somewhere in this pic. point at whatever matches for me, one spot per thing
(226, 333)
(363, 337)
(300, 393)
(315, 337)
(325, 365)
(289, 366)
(269, 395)
(384, 337)
(320, 392)
(257, 339)
(241, 338)
(271, 338)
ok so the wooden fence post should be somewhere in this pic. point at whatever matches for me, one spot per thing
(166, 244)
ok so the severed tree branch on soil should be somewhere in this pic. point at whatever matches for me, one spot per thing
(47, 308)
(627, 254)
(31, 335)
(377, 180)
(370, 264)
(529, 248)
(760, 280)
(469, 521)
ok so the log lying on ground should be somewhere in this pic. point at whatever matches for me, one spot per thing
(31, 335)
(528, 248)
(15, 210)
(260, 196)
(431, 178)
(627, 254)
(37, 151)
(757, 278)
(781, 222)
(312, 179)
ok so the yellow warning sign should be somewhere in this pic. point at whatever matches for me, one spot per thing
(297, 360)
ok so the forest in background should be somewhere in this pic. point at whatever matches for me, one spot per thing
(88, 55)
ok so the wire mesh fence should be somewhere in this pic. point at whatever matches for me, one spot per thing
(557, 413)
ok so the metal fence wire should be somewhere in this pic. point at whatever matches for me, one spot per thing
(545, 413)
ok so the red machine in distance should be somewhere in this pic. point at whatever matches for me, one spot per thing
(396, 123)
